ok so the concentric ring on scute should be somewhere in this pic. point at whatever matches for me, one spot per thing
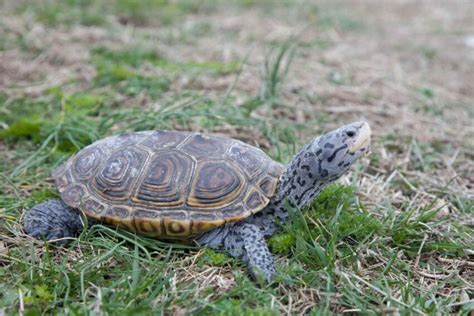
(216, 185)
(115, 181)
(165, 175)
(86, 163)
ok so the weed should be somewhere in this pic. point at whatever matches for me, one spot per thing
(212, 257)
(277, 65)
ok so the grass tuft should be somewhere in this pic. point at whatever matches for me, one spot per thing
(277, 65)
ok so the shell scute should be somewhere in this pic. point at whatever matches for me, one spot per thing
(267, 185)
(164, 178)
(93, 207)
(118, 212)
(254, 199)
(73, 195)
(148, 226)
(87, 162)
(159, 140)
(115, 181)
(203, 145)
(177, 228)
(250, 159)
(216, 185)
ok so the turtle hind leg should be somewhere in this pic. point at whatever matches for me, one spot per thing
(245, 242)
(53, 219)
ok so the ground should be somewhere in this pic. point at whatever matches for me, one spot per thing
(393, 236)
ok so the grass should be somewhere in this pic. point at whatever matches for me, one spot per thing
(395, 236)
(99, 13)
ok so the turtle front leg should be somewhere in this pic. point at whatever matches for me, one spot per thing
(245, 242)
(53, 219)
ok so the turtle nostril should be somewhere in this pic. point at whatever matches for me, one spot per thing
(351, 133)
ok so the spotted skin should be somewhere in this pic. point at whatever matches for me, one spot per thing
(53, 220)
(316, 165)
(243, 241)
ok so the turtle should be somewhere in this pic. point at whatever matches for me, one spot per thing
(195, 187)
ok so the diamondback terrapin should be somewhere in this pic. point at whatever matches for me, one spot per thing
(216, 191)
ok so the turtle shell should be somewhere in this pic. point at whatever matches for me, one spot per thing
(168, 184)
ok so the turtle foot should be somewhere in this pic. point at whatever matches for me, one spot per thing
(53, 220)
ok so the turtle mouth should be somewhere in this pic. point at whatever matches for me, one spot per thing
(363, 138)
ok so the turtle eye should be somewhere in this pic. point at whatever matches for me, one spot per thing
(350, 133)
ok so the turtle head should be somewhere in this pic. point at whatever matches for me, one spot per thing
(323, 160)
(337, 150)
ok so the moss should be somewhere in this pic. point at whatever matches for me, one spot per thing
(282, 243)
(66, 122)
(23, 128)
(337, 206)
(334, 196)
(83, 102)
(113, 74)
(29, 109)
(214, 258)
